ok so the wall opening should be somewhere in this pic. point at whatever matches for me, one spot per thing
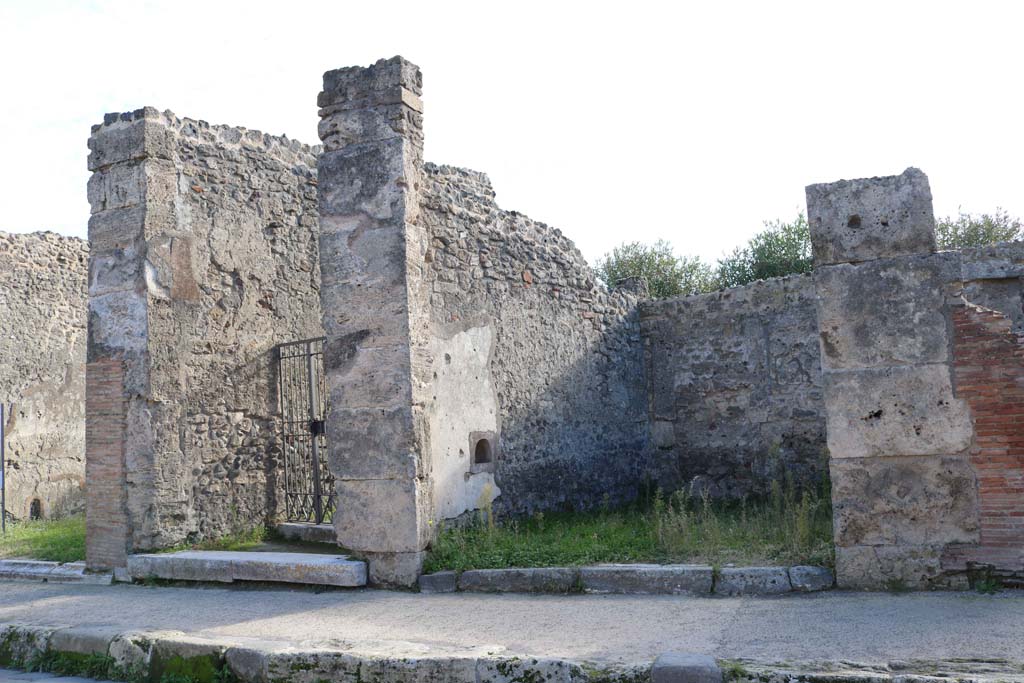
(482, 453)
(35, 509)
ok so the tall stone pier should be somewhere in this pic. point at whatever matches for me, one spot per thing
(904, 491)
(375, 313)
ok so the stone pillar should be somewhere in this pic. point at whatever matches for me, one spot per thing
(133, 175)
(902, 485)
(374, 312)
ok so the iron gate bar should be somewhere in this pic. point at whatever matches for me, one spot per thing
(302, 394)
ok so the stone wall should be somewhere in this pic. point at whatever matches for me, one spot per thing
(734, 389)
(529, 352)
(205, 256)
(42, 371)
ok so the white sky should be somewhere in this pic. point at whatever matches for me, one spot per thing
(612, 121)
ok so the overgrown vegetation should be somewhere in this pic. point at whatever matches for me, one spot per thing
(55, 540)
(781, 248)
(789, 527)
(201, 669)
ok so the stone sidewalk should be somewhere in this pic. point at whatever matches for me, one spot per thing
(9, 676)
(861, 627)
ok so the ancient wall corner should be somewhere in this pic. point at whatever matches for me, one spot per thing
(902, 486)
(371, 251)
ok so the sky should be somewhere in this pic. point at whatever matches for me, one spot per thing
(613, 121)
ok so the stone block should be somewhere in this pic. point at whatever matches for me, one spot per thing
(131, 140)
(185, 566)
(807, 579)
(920, 500)
(523, 669)
(82, 640)
(394, 569)
(895, 411)
(439, 582)
(228, 566)
(914, 567)
(516, 580)
(382, 515)
(752, 581)
(886, 312)
(870, 218)
(366, 181)
(680, 667)
(367, 377)
(648, 579)
(372, 443)
(310, 533)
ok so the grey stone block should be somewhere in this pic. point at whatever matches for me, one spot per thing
(227, 566)
(528, 580)
(310, 533)
(869, 218)
(753, 581)
(679, 667)
(642, 579)
(908, 410)
(82, 640)
(810, 579)
(439, 582)
(395, 569)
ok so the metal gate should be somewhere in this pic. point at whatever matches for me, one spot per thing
(308, 484)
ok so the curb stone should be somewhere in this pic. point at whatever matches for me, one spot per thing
(753, 581)
(152, 654)
(810, 579)
(526, 580)
(648, 579)
(51, 572)
(439, 582)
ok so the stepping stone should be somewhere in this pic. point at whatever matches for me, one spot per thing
(227, 566)
(313, 533)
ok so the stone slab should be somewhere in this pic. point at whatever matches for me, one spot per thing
(526, 580)
(229, 566)
(311, 533)
(439, 582)
(51, 572)
(869, 218)
(806, 579)
(680, 667)
(895, 411)
(648, 579)
(752, 581)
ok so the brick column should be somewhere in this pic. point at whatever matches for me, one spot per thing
(374, 312)
(903, 487)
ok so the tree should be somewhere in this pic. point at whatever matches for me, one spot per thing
(969, 230)
(780, 249)
(666, 274)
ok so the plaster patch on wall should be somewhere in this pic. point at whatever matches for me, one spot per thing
(465, 402)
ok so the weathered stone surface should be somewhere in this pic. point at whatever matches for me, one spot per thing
(528, 580)
(735, 389)
(889, 567)
(313, 533)
(394, 568)
(228, 566)
(807, 579)
(869, 218)
(439, 582)
(644, 579)
(679, 667)
(922, 500)
(886, 312)
(83, 640)
(384, 515)
(42, 377)
(907, 410)
(51, 572)
(752, 581)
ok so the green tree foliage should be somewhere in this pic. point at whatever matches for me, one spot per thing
(970, 230)
(780, 249)
(666, 274)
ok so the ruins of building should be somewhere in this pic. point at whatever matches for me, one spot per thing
(239, 283)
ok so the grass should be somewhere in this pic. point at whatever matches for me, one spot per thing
(56, 540)
(788, 527)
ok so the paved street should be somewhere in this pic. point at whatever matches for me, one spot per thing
(865, 627)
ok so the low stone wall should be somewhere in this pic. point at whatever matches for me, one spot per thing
(42, 372)
(205, 256)
(530, 352)
(734, 389)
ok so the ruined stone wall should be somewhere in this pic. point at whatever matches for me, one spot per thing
(205, 257)
(527, 351)
(42, 371)
(734, 389)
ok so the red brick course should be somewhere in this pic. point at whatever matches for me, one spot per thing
(106, 516)
(989, 375)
